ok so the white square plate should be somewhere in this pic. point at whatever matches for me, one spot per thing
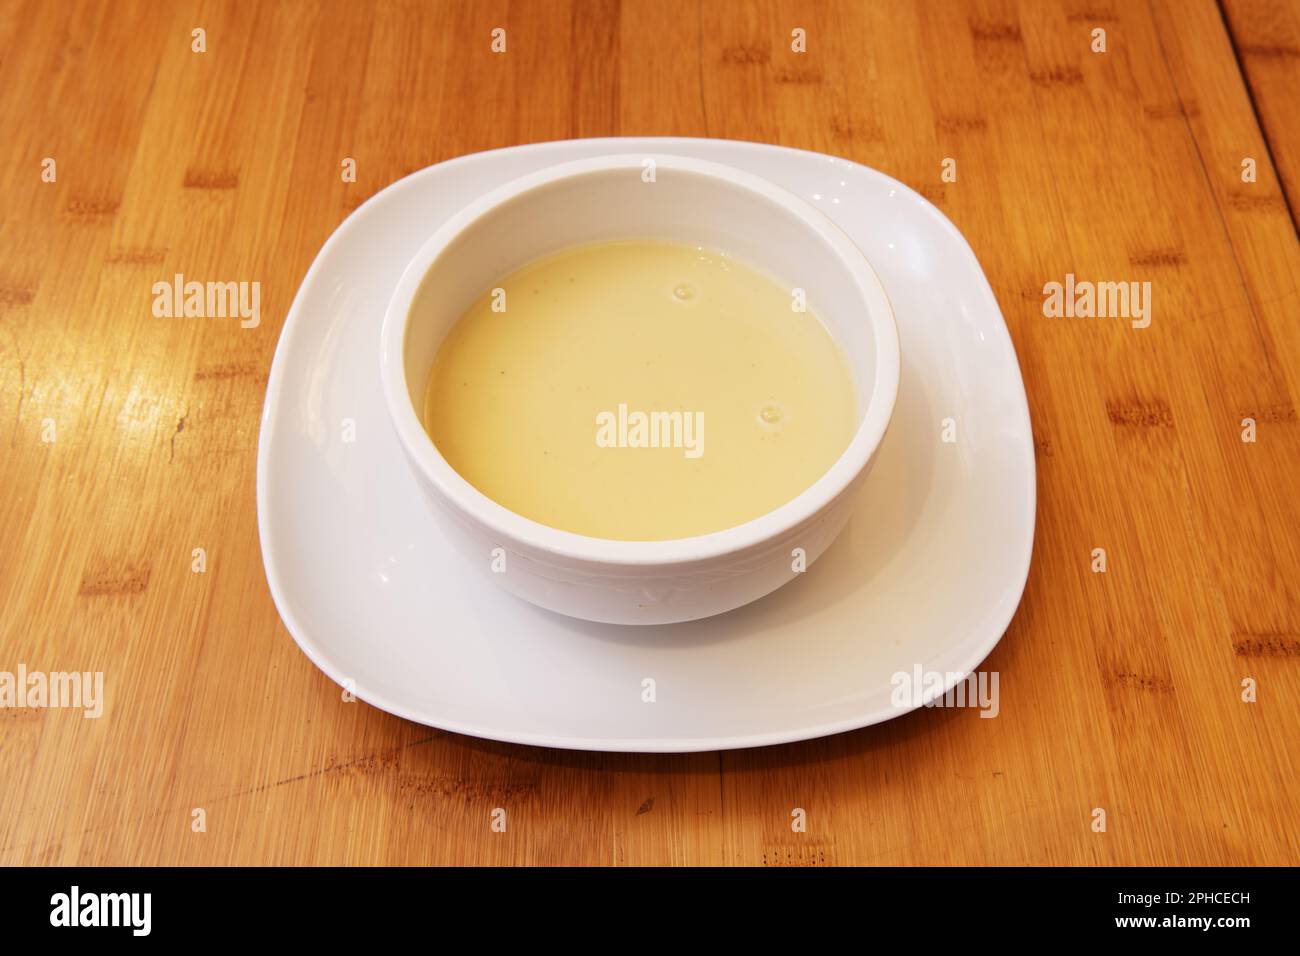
(928, 572)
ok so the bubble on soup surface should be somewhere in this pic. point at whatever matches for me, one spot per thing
(771, 415)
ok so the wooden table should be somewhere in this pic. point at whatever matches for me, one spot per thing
(131, 440)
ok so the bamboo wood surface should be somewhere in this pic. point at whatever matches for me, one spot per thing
(131, 440)
(1266, 39)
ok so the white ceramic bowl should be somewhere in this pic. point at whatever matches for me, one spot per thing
(604, 198)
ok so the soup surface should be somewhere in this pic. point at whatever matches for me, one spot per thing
(640, 390)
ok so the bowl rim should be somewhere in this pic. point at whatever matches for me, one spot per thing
(512, 527)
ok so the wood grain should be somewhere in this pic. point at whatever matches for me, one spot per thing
(1120, 690)
(1266, 40)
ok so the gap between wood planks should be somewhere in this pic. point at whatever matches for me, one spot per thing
(1254, 109)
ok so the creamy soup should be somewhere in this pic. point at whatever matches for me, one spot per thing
(640, 390)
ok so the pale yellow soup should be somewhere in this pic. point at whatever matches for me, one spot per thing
(640, 390)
